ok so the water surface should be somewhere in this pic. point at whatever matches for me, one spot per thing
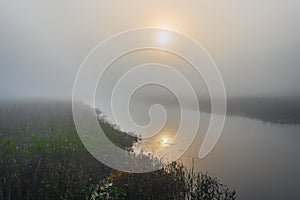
(259, 160)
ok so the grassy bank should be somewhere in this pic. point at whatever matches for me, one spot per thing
(42, 157)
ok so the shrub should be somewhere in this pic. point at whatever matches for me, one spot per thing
(174, 181)
(42, 157)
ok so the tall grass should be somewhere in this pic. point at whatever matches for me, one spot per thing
(174, 181)
(42, 157)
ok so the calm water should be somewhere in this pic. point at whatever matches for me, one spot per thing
(258, 160)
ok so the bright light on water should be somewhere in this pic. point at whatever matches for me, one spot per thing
(164, 139)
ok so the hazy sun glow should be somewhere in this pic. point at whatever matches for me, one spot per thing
(163, 37)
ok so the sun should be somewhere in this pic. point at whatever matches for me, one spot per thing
(163, 37)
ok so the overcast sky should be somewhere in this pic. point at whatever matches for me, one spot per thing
(256, 43)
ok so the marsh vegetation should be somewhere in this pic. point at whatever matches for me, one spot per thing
(42, 157)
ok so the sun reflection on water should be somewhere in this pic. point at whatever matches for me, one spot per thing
(164, 139)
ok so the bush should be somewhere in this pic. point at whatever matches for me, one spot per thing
(172, 182)
(42, 157)
(52, 165)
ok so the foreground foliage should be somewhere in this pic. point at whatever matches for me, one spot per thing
(46, 160)
(172, 182)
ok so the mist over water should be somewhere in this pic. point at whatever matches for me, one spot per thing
(255, 45)
(259, 159)
(251, 155)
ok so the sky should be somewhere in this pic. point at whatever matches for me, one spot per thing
(255, 44)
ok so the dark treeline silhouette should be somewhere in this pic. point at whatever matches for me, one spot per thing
(272, 109)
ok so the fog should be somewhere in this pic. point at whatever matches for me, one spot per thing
(255, 44)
